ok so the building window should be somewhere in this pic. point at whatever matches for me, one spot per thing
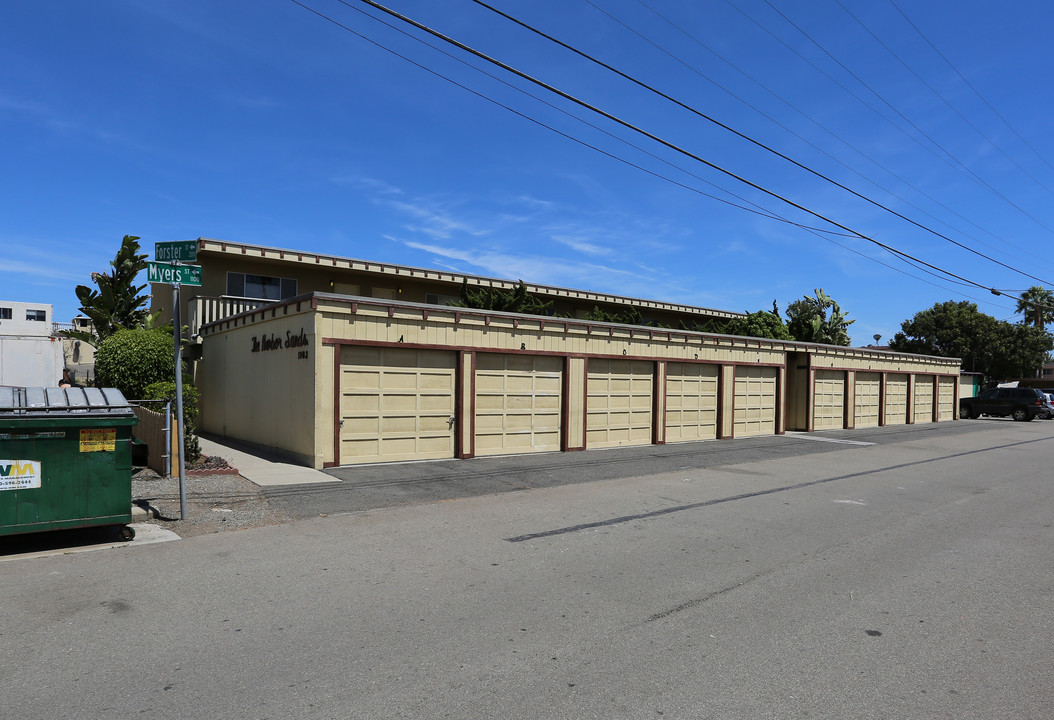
(5, 313)
(36, 315)
(263, 287)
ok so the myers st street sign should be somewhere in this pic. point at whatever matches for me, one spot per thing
(180, 274)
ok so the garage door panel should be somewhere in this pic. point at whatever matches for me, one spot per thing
(395, 404)
(436, 403)
(946, 400)
(514, 422)
(488, 403)
(359, 403)
(755, 401)
(399, 426)
(868, 390)
(829, 400)
(923, 398)
(518, 403)
(896, 399)
(691, 402)
(619, 403)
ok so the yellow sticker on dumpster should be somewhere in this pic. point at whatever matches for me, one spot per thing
(98, 439)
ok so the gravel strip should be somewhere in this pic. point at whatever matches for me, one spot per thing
(215, 503)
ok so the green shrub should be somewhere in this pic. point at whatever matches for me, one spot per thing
(166, 391)
(129, 360)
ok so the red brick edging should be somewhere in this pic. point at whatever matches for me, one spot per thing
(214, 471)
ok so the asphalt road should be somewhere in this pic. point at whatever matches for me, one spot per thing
(390, 484)
(911, 578)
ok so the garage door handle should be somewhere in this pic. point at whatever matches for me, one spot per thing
(450, 421)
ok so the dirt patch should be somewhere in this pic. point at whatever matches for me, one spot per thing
(216, 502)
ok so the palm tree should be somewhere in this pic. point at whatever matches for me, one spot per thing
(1036, 305)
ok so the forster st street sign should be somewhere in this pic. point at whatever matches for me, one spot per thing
(178, 251)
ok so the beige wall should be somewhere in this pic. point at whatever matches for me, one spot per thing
(281, 399)
(268, 396)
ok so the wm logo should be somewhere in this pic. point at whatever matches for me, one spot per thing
(17, 468)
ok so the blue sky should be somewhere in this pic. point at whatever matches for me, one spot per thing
(265, 123)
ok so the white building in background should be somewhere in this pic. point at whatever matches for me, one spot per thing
(30, 353)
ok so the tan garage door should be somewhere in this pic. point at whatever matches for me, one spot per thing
(829, 400)
(896, 399)
(619, 403)
(691, 402)
(923, 398)
(946, 400)
(396, 404)
(755, 401)
(518, 403)
(868, 399)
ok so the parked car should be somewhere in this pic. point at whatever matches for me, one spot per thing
(1021, 403)
(1048, 413)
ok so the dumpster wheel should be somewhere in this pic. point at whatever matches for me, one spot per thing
(127, 533)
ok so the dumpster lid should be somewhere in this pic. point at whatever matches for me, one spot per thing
(56, 401)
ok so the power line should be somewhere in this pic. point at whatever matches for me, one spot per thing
(826, 129)
(867, 105)
(743, 136)
(757, 209)
(805, 140)
(665, 143)
(943, 99)
(971, 86)
(961, 165)
(823, 234)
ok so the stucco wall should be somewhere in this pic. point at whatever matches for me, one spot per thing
(30, 361)
(283, 398)
(258, 384)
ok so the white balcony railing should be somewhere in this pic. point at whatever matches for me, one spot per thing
(204, 310)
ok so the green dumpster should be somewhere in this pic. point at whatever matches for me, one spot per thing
(65, 459)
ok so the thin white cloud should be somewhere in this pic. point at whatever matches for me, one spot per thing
(533, 268)
(582, 246)
(45, 268)
(367, 183)
(535, 203)
(23, 106)
(436, 222)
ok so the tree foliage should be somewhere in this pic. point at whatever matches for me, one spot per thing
(129, 360)
(818, 319)
(624, 316)
(117, 304)
(999, 350)
(1036, 306)
(516, 300)
(760, 324)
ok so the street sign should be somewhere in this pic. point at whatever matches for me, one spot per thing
(180, 274)
(181, 250)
